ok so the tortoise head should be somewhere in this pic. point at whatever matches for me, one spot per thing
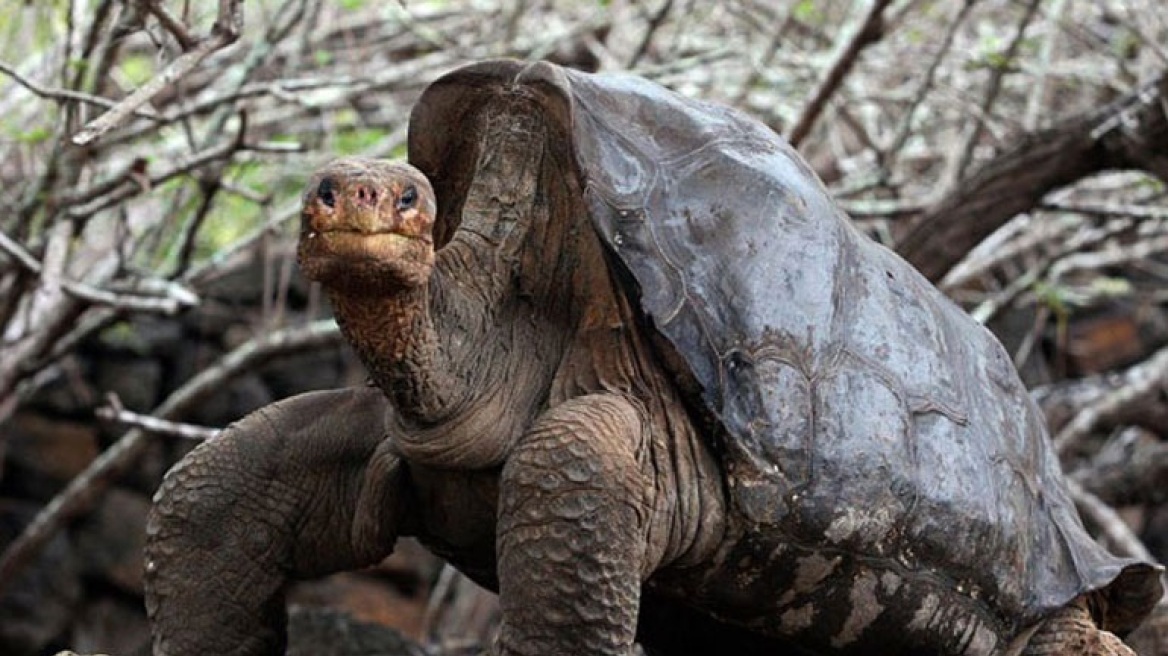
(367, 225)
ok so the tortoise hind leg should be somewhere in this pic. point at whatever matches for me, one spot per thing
(1071, 630)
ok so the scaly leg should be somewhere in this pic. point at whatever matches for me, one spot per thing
(572, 531)
(297, 489)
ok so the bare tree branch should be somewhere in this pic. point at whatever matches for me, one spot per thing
(116, 413)
(1135, 478)
(224, 33)
(905, 127)
(998, 71)
(655, 23)
(1109, 523)
(68, 94)
(869, 31)
(175, 298)
(179, 31)
(1129, 133)
(1140, 381)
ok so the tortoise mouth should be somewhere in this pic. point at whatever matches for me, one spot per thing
(355, 236)
(382, 245)
(341, 258)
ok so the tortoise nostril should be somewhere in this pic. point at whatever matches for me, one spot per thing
(366, 195)
(326, 192)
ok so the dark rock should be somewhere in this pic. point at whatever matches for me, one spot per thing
(1014, 328)
(245, 394)
(70, 393)
(1112, 336)
(43, 454)
(110, 539)
(309, 371)
(411, 567)
(194, 357)
(136, 381)
(363, 598)
(145, 336)
(112, 626)
(1155, 533)
(213, 319)
(262, 273)
(319, 632)
(1151, 637)
(39, 603)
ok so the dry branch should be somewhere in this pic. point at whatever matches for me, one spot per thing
(1129, 133)
(655, 23)
(155, 425)
(225, 32)
(115, 411)
(869, 31)
(1135, 477)
(993, 90)
(905, 127)
(1141, 381)
(68, 95)
(173, 299)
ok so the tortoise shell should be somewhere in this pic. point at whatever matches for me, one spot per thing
(857, 411)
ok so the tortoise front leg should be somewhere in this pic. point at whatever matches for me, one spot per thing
(298, 489)
(572, 531)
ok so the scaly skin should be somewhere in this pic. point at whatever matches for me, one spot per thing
(571, 514)
(265, 502)
(531, 436)
(575, 512)
(506, 360)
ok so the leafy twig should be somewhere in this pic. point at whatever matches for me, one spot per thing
(994, 88)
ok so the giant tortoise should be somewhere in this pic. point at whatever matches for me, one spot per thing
(638, 373)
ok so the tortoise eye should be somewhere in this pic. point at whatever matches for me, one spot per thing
(408, 198)
(325, 192)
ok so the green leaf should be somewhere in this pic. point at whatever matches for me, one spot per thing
(806, 11)
(137, 69)
(1111, 286)
(1053, 297)
(34, 136)
(358, 140)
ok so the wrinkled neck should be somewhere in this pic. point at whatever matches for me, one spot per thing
(395, 336)
(466, 359)
(434, 351)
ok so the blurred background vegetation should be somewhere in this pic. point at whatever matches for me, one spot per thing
(152, 152)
